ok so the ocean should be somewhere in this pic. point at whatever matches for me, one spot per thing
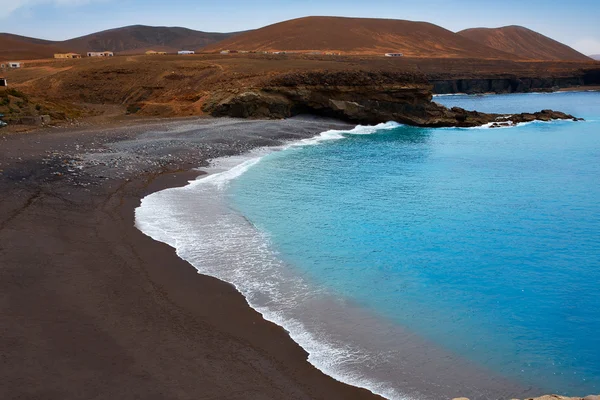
(418, 263)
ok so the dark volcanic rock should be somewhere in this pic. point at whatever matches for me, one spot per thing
(544, 115)
(542, 81)
(364, 98)
(505, 85)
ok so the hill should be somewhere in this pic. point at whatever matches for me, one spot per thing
(139, 38)
(595, 57)
(359, 36)
(134, 39)
(21, 47)
(524, 43)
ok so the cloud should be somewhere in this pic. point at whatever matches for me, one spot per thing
(587, 46)
(7, 7)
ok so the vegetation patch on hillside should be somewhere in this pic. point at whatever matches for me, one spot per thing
(19, 108)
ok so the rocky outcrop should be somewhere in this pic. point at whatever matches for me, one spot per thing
(365, 98)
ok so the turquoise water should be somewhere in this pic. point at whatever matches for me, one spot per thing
(485, 242)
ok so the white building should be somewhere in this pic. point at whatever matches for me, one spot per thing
(182, 52)
(14, 64)
(100, 54)
(394, 54)
(3, 82)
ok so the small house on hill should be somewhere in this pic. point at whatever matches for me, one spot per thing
(100, 54)
(67, 55)
(394, 54)
(183, 52)
(3, 82)
(15, 64)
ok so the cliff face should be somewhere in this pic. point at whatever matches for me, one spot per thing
(504, 85)
(407, 104)
(515, 85)
(366, 98)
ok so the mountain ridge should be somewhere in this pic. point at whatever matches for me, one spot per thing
(131, 39)
(15, 47)
(144, 37)
(358, 36)
(524, 43)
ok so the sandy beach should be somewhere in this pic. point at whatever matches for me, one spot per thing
(92, 308)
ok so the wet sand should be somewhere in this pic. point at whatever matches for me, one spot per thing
(92, 308)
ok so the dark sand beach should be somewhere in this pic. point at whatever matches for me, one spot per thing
(92, 308)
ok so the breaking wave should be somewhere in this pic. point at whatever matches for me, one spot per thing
(218, 241)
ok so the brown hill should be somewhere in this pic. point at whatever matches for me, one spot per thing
(359, 35)
(134, 39)
(14, 47)
(524, 43)
(139, 38)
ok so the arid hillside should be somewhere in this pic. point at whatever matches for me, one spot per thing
(359, 36)
(14, 47)
(139, 38)
(168, 86)
(134, 39)
(524, 43)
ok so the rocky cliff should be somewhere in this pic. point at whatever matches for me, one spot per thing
(515, 84)
(358, 97)
(504, 85)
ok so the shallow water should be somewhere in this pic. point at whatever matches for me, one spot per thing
(418, 263)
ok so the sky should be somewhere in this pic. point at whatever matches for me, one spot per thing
(575, 22)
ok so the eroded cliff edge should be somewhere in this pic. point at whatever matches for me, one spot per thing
(512, 83)
(359, 97)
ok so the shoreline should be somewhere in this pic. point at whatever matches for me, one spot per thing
(97, 309)
(322, 344)
(222, 168)
(86, 308)
(529, 393)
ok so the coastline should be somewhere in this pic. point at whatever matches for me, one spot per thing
(94, 308)
(406, 372)
(470, 391)
(112, 301)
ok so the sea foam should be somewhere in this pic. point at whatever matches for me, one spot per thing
(217, 241)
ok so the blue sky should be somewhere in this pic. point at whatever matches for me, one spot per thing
(576, 23)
